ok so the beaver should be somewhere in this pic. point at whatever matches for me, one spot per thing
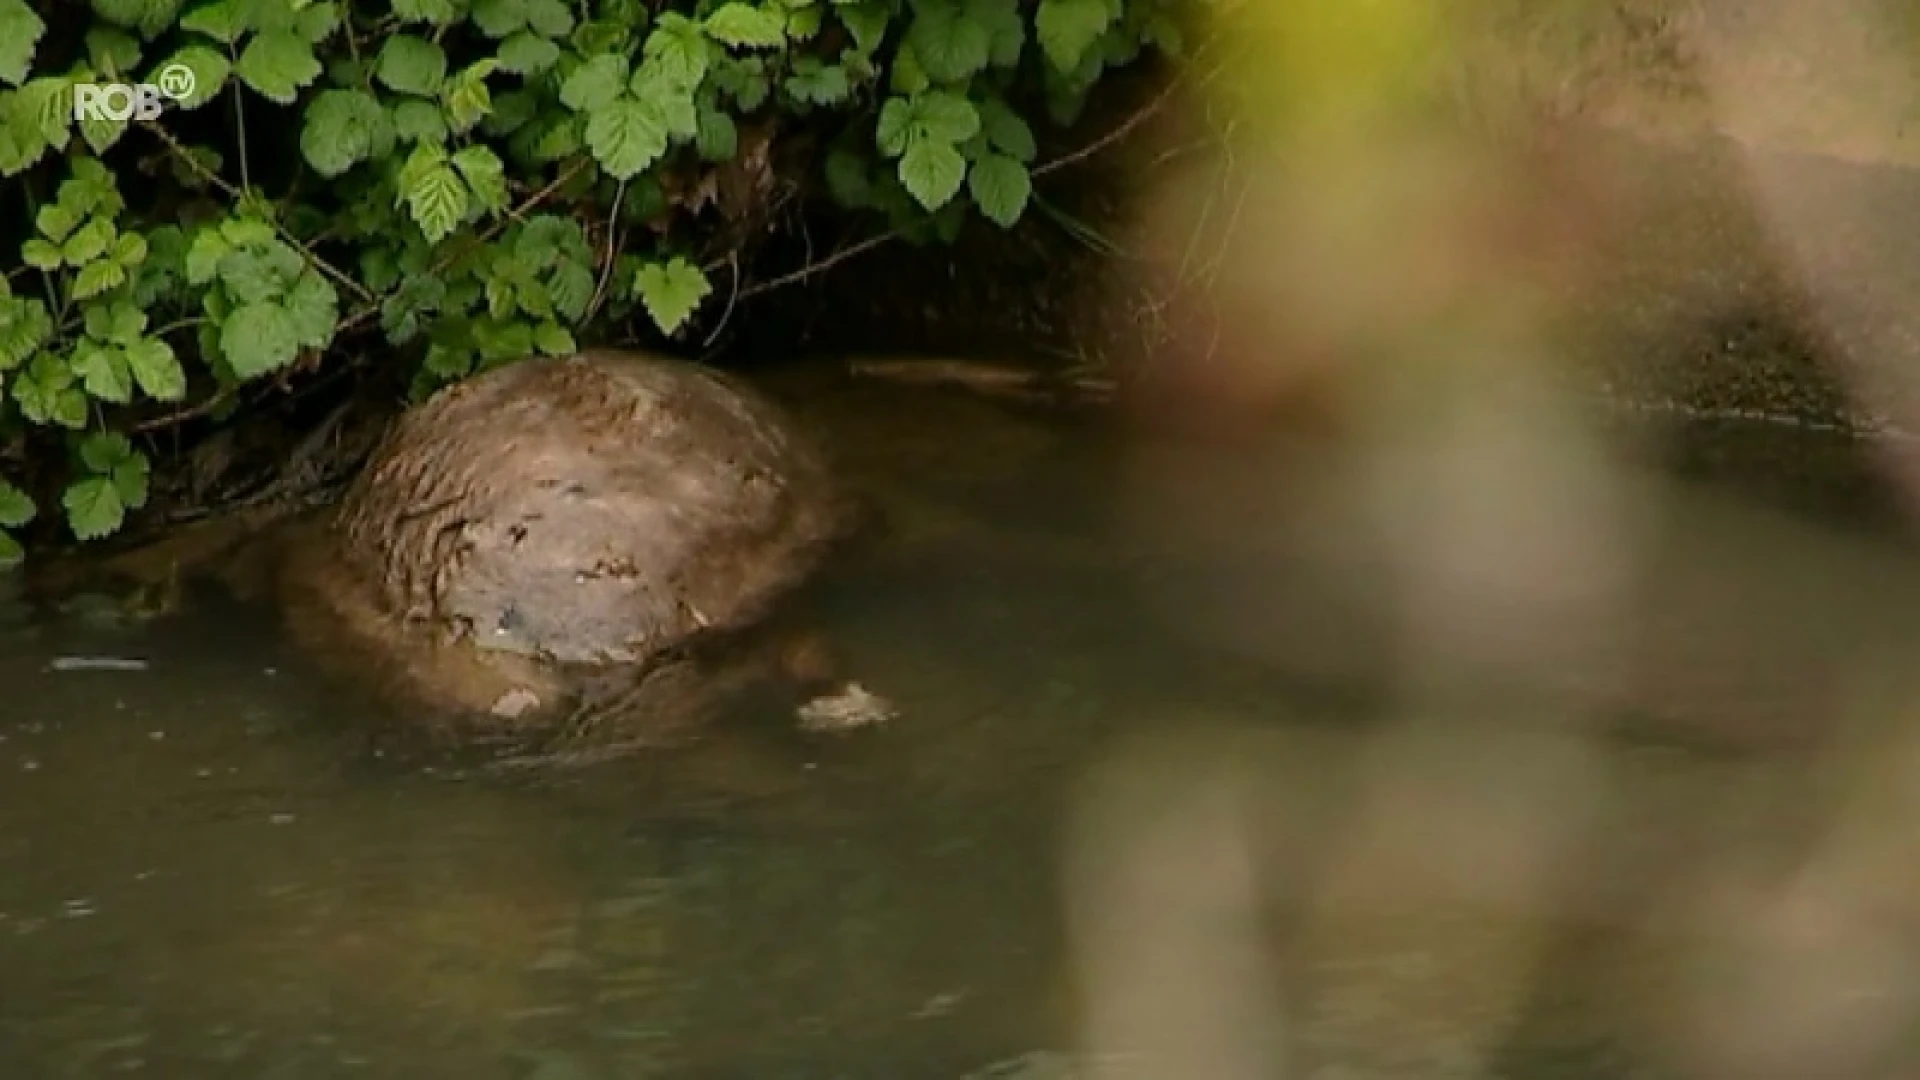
(578, 553)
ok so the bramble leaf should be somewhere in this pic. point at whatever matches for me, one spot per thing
(103, 371)
(1068, 28)
(671, 291)
(157, 369)
(932, 172)
(485, 175)
(277, 64)
(259, 338)
(525, 53)
(20, 33)
(594, 84)
(745, 26)
(435, 195)
(411, 65)
(1001, 186)
(437, 12)
(16, 508)
(626, 136)
(342, 129)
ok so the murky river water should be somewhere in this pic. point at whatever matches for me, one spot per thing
(1104, 802)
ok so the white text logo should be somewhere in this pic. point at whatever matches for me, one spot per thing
(121, 102)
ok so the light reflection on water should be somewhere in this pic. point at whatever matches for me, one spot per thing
(203, 874)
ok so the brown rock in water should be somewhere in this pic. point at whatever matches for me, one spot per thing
(565, 544)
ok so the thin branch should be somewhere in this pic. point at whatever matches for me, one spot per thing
(1120, 131)
(820, 267)
(733, 297)
(613, 248)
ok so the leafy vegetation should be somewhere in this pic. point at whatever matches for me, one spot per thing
(459, 183)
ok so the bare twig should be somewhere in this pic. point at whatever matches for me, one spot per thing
(733, 297)
(613, 249)
(1120, 131)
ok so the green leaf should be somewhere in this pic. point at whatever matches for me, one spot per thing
(25, 325)
(94, 508)
(222, 20)
(467, 98)
(47, 395)
(20, 33)
(952, 47)
(1001, 186)
(866, 21)
(745, 26)
(553, 339)
(435, 195)
(906, 76)
(1068, 28)
(103, 371)
(40, 254)
(157, 370)
(90, 189)
(101, 133)
(571, 289)
(549, 18)
(1006, 29)
(677, 51)
(525, 53)
(944, 116)
(118, 323)
(150, 17)
(277, 64)
(718, 139)
(56, 221)
(317, 22)
(626, 136)
(113, 53)
(210, 70)
(16, 508)
(88, 242)
(896, 130)
(672, 291)
(498, 18)
(595, 84)
(11, 553)
(486, 177)
(314, 308)
(259, 338)
(815, 83)
(437, 12)
(417, 121)
(1006, 131)
(204, 255)
(260, 272)
(932, 172)
(96, 278)
(411, 65)
(130, 250)
(343, 128)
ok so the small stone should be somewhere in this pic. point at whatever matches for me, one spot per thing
(853, 707)
(515, 703)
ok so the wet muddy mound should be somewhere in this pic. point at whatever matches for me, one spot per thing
(561, 529)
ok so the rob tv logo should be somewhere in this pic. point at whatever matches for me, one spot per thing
(120, 102)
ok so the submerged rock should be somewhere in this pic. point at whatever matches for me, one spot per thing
(589, 546)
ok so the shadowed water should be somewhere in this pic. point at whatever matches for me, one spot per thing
(205, 873)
